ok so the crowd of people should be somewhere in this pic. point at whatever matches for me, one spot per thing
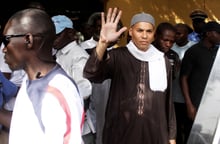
(64, 86)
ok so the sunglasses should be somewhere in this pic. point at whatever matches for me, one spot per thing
(6, 38)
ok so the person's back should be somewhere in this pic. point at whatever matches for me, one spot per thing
(45, 111)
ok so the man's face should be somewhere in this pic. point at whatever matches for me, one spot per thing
(142, 35)
(62, 39)
(166, 40)
(181, 35)
(198, 24)
(14, 47)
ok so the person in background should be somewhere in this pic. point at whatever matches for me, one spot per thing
(196, 66)
(36, 4)
(69, 54)
(180, 46)
(163, 40)
(198, 21)
(100, 91)
(140, 108)
(45, 111)
(72, 58)
(92, 132)
(94, 25)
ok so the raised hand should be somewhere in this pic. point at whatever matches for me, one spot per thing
(109, 31)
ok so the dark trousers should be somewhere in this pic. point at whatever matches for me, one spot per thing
(184, 124)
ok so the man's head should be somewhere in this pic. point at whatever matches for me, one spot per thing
(211, 33)
(182, 32)
(141, 30)
(198, 19)
(94, 23)
(65, 33)
(164, 36)
(28, 36)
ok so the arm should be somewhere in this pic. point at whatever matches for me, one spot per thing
(5, 118)
(185, 90)
(84, 85)
(94, 68)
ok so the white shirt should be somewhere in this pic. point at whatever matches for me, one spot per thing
(40, 117)
(72, 59)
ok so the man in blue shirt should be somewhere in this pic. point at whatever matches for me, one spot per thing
(198, 21)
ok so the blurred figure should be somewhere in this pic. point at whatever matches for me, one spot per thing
(196, 66)
(35, 4)
(180, 46)
(198, 21)
(100, 91)
(72, 57)
(163, 40)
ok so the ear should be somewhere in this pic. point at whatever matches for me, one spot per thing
(130, 32)
(29, 40)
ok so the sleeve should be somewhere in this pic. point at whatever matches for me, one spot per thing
(7, 89)
(172, 130)
(84, 85)
(96, 70)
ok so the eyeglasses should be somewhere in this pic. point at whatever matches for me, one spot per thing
(6, 38)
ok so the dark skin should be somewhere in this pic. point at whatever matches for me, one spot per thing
(31, 52)
(65, 37)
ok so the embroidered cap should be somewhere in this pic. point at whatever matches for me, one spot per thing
(61, 22)
(142, 17)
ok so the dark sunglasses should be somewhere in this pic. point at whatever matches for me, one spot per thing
(6, 38)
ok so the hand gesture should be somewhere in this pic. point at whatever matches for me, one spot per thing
(109, 31)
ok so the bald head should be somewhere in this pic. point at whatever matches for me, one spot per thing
(38, 33)
(32, 21)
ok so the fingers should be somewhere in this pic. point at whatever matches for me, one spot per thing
(102, 18)
(115, 10)
(118, 17)
(108, 17)
(113, 15)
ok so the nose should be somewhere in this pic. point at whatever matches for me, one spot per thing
(144, 34)
(169, 44)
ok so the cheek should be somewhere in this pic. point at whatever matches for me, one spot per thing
(15, 55)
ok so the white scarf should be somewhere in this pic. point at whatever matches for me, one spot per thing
(157, 65)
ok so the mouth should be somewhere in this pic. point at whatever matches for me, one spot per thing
(144, 43)
(6, 59)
